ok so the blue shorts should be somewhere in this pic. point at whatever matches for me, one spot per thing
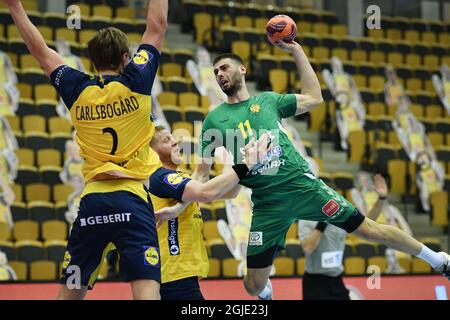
(120, 218)
(183, 289)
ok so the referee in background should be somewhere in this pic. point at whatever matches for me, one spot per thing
(324, 246)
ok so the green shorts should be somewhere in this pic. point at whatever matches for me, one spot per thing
(305, 198)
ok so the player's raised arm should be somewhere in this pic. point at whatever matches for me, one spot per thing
(156, 23)
(48, 58)
(311, 93)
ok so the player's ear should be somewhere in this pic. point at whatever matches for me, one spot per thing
(242, 69)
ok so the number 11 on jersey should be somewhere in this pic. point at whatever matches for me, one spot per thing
(248, 127)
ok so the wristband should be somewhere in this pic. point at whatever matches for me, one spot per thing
(241, 170)
(382, 197)
(321, 226)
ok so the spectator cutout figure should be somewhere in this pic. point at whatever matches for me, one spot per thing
(351, 112)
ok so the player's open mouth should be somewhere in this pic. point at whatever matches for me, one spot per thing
(223, 83)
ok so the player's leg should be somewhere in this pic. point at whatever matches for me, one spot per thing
(137, 243)
(182, 289)
(259, 266)
(145, 289)
(71, 294)
(86, 249)
(399, 240)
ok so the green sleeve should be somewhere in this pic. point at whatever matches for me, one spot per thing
(285, 104)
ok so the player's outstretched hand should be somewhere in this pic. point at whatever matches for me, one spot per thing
(166, 214)
(290, 47)
(380, 185)
(256, 151)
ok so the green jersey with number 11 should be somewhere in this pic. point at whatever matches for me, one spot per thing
(233, 125)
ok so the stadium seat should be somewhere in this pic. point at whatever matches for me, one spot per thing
(33, 123)
(27, 175)
(279, 80)
(48, 157)
(42, 270)
(54, 230)
(186, 127)
(203, 26)
(25, 156)
(343, 182)
(439, 206)
(230, 268)
(294, 249)
(214, 268)
(188, 99)
(379, 261)
(210, 230)
(168, 98)
(357, 143)
(20, 268)
(284, 266)
(292, 232)
(26, 230)
(8, 248)
(420, 266)
(300, 265)
(61, 192)
(397, 175)
(220, 251)
(55, 250)
(41, 211)
(59, 125)
(354, 266)
(37, 192)
(29, 250)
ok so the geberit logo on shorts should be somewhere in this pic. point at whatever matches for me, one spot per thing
(111, 218)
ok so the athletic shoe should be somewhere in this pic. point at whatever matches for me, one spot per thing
(445, 268)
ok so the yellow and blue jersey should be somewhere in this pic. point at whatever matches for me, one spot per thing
(111, 115)
(182, 248)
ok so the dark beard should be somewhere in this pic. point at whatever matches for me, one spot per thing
(232, 90)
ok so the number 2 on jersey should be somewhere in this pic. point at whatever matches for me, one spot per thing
(115, 138)
(249, 129)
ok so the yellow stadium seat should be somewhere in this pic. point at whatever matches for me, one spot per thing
(354, 266)
(284, 266)
(433, 111)
(28, 61)
(444, 38)
(26, 230)
(379, 261)
(26, 156)
(358, 55)
(317, 117)
(85, 36)
(395, 58)
(413, 60)
(300, 265)
(397, 176)
(37, 192)
(429, 37)
(243, 22)
(376, 109)
(230, 267)
(375, 33)
(45, 91)
(59, 125)
(61, 192)
(48, 157)
(420, 266)
(405, 263)
(376, 82)
(188, 99)
(54, 230)
(183, 126)
(171, 70)
(102, 11)
(66, 34)
(412, 35)
(292, 233)
(214, 268)
(439, 206)
(357, 143)
(243, 50)
(210, 230)
(321, 28)
(339, 30)
(42, 270)
(20, 268)
(278, 79)
(340, 53)
(360, 80)
(126, 13)
(377, 57)
(5, 234)
(25, 90)
(320, 53)
(168, 98)
(34, 123)
(203, 23)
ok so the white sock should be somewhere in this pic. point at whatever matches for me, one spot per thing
(265, 293)
(433, 258)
